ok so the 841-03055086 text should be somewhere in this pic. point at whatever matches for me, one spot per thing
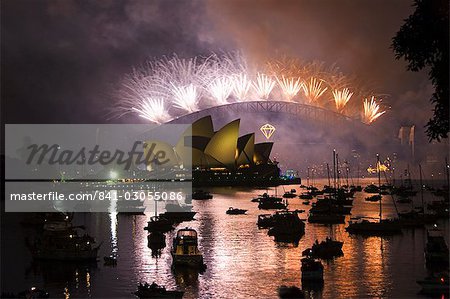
(138, 195)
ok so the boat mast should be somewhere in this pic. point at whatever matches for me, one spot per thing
(379, 183)
(328, 173)
(393, 176)
(357, 183)
(447, 170)
(346, 170)
(337, 171)
(421, 188)
(334, 170)
(307, 178)
(393, 200)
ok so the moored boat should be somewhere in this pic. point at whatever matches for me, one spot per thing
(64, 245)
(306, 195)
(201, 195)
(286, 226)
(289, 195)
(159, 224)
(436, 249)
(272, 202)
(235, 211)
(380, 227)
(155, 291)
(177, 213)
(185, 251)
(371, 189)
(374, 198)
(325, 250)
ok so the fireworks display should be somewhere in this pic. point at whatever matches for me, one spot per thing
(371, 111)
(170, 87)
(263, 86)
(241, 88)
(289, 87)
(152, 110)
(341, 98)
(185, 97)
(220, 89)
(313, 89)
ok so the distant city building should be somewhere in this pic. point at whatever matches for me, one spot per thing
(290, 173)
(406, 134)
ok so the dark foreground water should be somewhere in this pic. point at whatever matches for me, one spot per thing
(242, 260)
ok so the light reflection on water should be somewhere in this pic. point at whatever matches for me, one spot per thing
(242, 260)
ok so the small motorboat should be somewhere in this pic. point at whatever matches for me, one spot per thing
(201, 195)
(185, 251)
(327, 249)
(371, 189)
(178, 213)
(289, 195)
(155, 291)
(306, 195)
(373, 198)
(272, 202)
(377, 228)
(234, 211)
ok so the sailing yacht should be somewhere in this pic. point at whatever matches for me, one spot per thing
(417, 217)
(380, 227)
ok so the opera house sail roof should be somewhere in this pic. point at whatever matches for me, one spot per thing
(202, 147)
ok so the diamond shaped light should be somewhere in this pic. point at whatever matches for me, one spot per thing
(267, 130)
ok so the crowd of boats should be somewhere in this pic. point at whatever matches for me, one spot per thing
(59, 239)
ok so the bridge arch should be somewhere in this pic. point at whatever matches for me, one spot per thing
(318, 115)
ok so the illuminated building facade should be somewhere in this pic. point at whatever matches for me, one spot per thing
(223, 158)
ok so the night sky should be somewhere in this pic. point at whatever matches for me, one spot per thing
(62, 61)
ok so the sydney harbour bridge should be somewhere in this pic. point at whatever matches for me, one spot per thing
(301, 111)
(316, 120)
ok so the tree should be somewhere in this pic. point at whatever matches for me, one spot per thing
(423, 41)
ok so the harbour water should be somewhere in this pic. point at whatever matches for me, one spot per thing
(242, 260)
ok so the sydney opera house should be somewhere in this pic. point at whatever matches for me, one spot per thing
(223, 157)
